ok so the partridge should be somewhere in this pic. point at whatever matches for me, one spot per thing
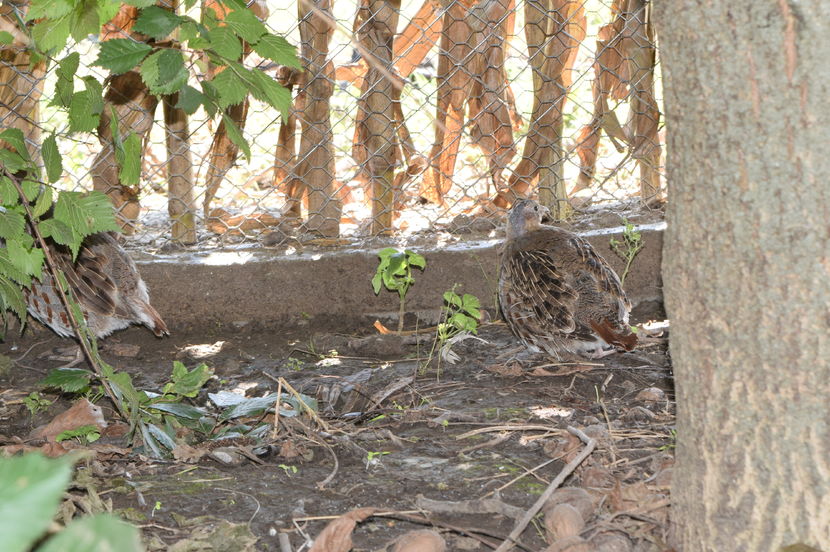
(106, 284)
(556, 293)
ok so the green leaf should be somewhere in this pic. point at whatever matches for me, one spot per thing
(96, 209)
(271, 92)
(82, 118)
(88, 433)
(85, 215)
(14, 137)
(107, 9)
(31, 189)
(140, 3)
(224, 42)
(31, 487)
(12, 160)
(377, 282)
(12, 224)
(188, 30)
(397, 264)
(8, 269)
(246, 24)
(157, 22)
(52, 34)
(120, 55)
(236, 137)
(470, 301)
(189, 99)
(11, 297)
(64, 87)
(452, 298)
(416, 260)
(231, 88)
(161, 436)
(171, 65)
(68, 380)
(180, 410)
(44, 202)
(6, 37)
(164, 72)
(249, 407)
(211, 98)
(48, 8)
(84, 20)
(51, 158)
(277, 49)
(8, 192)
(188, 383)
(27, 260)
(98, 532)
(130, 162)
(57, 230)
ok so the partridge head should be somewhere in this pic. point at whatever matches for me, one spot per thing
(556, 293)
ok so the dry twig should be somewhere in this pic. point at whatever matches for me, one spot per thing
(590, 444)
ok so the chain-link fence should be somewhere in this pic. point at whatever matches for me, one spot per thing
(410, 116)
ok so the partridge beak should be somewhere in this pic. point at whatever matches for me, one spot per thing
(546, 216)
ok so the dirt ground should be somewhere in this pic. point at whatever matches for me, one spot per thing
(423, 446)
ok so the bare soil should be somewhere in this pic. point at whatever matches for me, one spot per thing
(395, 430)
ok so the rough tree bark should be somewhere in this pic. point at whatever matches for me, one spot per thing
(179, 168)
(747, 270)
(375, 143)
(315, 166)
(21, 82)
(554, 30)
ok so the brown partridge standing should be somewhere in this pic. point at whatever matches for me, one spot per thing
(107, 285)
(556, 293)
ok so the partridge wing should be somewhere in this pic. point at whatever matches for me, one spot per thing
(606, 305)
(538, 300)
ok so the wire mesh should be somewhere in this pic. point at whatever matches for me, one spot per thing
(410, 116)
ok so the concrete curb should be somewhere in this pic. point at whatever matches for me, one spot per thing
(332, 288)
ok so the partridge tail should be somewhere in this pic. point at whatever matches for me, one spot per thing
(613, 335)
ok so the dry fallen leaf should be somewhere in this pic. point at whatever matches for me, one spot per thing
(423, 540)
(82, 413)
(563, 521)
(651, 395)
(570, 544)
(337, 536)
(576, 497)
(186, 453)
(611, 541)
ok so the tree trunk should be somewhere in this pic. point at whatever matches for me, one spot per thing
(747, 270)
(315, 168)
(181, 204)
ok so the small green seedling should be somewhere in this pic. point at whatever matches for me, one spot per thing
(373, 457)
(394, 272)
(36, 402)
(629, 247)
(294, 364)
(671, 444)
(461, 315)
(289, 470)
